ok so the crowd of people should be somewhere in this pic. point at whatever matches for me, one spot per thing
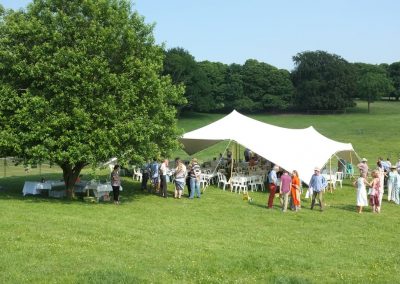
(384, 173)
(278, 181)
(289, 189)
(183, 174)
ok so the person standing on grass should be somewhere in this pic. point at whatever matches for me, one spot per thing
(396, 191)
(363, 167)
(375, 192)
(272, 183)
(295, 191)
(391, 182)
(195, 172)
(381, 173)
(145, 169)
(286, 183)
(155, 175)
(188, 169)
(115, 183)
(362, 199)
(318, 184)
(180, 177)
(163, 172)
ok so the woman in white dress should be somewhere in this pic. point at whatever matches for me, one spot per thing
(391, 183)
(362, 199)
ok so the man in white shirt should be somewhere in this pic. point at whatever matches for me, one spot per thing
(164, 170)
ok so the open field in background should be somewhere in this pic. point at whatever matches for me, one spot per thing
(373, 135)
(216, 239)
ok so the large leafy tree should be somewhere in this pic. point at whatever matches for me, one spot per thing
(323, 81)
(80, 82)
(184, 70)
(212, 99)
(394, 74)
(372, 82)
(232, 89)
(267, 87)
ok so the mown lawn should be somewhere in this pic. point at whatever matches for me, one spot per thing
(216, 239)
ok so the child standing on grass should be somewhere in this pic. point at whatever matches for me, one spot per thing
(362, 199)
(375, 191)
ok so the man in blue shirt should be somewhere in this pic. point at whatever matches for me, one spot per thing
(318, 184)
(154, 174)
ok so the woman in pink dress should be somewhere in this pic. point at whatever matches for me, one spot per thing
(375, 192)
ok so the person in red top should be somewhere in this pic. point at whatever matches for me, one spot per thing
(295, 191)
(286, 182)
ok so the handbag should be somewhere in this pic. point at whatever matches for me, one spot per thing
(309, 192)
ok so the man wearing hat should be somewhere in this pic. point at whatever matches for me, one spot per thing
(318, 184)
(363, 167)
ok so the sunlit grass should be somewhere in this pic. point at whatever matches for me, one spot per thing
(219, 238)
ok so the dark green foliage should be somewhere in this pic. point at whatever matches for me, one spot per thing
(373, 82)
(214, 86)
(323, 81)
(394, 74)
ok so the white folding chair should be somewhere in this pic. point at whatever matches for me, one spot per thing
(252, 183)
(339, 178)
(222, 180)
(239, 184)
(260, 182)
(137, 175)
(203, 181)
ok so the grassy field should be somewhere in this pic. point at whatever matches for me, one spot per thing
(216, 239)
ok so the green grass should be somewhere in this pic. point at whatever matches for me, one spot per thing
(216, 239)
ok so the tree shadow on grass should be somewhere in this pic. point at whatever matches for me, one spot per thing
(346, 207)
(11, 189)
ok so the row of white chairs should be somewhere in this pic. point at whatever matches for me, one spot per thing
(240, 184)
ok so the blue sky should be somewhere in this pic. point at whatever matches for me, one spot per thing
(232, 31)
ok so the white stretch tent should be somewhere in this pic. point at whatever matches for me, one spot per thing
(291, 149)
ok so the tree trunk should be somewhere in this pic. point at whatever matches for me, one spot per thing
(368, 105)
(70, 175)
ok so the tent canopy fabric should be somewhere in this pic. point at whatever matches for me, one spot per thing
(291, 149)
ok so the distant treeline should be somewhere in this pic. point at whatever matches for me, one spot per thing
(320, 82)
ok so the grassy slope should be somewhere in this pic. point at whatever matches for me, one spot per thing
(219, 238)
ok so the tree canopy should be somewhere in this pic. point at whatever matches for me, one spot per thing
(372, 82)
(80, 83)
(323, 81)
(394, 74)
(214, 86)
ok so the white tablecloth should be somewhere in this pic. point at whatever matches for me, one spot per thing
(33, 187)
(100, 189)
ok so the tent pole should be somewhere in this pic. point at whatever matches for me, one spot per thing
(233, 149)
(220, 160)
(330, 175)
